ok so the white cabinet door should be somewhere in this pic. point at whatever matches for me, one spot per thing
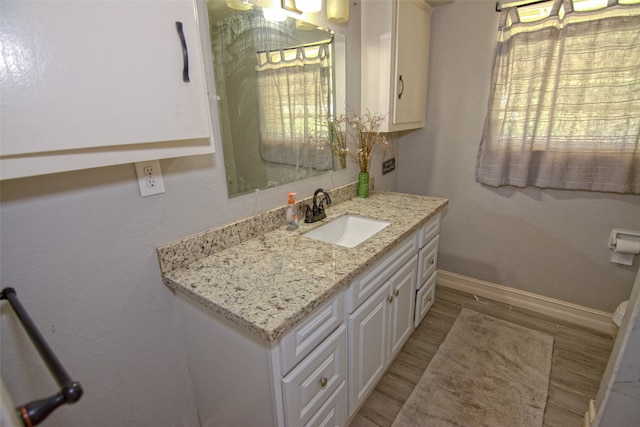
(369, 346)
(395, 61)
(403, 298)
(413, 21)
(106, 76)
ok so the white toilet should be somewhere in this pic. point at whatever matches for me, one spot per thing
(618, 315)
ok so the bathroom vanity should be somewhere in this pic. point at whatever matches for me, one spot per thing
(281, 329)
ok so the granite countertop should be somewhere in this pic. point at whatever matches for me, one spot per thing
(270, 282)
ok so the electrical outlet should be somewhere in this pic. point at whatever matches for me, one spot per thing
(149, 178)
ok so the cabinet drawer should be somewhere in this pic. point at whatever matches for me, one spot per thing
(429, 230)
(334, 412)
(425, 298)
(301, 340)
(367, 284)
(310, 384)
(427, 261)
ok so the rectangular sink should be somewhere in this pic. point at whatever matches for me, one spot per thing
(347, 231)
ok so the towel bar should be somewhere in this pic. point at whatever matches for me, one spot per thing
(518, 3)
(70, 392)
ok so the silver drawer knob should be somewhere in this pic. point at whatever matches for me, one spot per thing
(323, 381)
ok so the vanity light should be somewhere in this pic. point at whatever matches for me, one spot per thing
(239, 4)
(309, 5)
(338, 11)
(274, 15)
(290, 5)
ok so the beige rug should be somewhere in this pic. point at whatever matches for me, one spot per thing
(487, 372)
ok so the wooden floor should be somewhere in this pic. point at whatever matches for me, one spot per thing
(579, 359)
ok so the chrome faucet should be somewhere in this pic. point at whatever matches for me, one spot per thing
(316, 212)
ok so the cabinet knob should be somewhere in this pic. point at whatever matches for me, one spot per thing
(390, 298)
(397, 292)
(323, 381)
(430, 299)
(431, 261)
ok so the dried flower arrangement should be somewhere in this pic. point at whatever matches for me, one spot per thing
(364, 130)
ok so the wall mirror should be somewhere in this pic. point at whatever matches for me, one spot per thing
(278, 81)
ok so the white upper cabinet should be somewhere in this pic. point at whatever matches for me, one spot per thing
(395, 61)
(94, 83)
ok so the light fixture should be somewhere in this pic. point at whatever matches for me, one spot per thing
(274, 15)
(290, 5)
(338, 11)
(308, 5)
(239, 4)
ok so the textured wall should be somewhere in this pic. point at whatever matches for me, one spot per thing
(548, 242)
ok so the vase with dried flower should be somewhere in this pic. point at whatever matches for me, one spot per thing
(364, 131)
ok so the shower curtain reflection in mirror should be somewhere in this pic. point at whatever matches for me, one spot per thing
(294, 105)
(276, 86)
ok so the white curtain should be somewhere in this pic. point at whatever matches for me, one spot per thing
(294, 89)
(564, 107)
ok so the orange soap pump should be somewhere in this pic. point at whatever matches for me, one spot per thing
(292, 213)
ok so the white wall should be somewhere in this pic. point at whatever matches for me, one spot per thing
(548, 242)
(79, 248)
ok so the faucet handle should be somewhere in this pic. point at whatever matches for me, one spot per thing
(307, 211)
(328, 199)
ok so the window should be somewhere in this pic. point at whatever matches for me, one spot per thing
(564, 107)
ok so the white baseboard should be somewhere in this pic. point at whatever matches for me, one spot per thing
(576, 314)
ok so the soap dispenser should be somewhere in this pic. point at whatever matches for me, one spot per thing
(292, 213)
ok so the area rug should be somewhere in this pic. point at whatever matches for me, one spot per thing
(487, 372)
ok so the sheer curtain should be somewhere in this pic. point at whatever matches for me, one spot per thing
(294, 89)
(564, 106)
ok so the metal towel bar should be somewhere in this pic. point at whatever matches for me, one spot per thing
(518, 3)
(70, 392)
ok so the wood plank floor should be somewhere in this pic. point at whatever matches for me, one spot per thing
(579, 359)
